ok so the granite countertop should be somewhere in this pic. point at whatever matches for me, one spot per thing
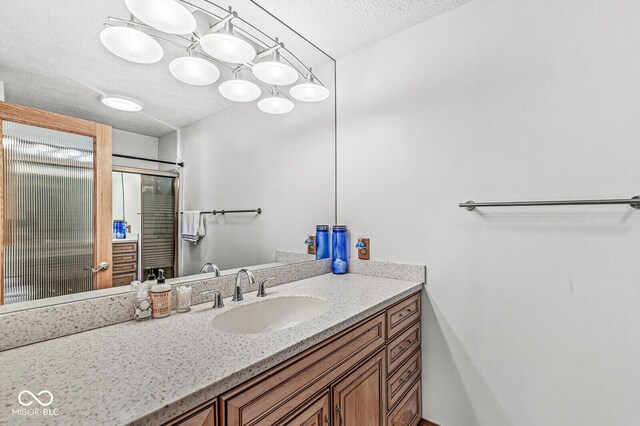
(130, 238)
(150, 372)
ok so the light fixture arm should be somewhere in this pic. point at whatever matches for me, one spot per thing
(223, 23)
(268, 51)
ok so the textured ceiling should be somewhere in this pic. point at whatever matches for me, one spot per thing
(340, 27)
(51, 58)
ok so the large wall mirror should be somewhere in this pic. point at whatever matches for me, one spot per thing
(210, 129)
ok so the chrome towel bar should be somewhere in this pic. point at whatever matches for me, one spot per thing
(633, 202)
(223, 212)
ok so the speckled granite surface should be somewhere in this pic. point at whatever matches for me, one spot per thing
(81, 313)
(377, 268)
(150, 372)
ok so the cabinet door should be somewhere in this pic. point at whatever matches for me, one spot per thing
(317, 413)
(359, 398)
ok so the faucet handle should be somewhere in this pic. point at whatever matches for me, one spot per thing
(217, 298)
(261, 290)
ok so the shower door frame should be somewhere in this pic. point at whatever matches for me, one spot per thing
(102, 202)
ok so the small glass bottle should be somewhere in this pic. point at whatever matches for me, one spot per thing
(322, 241)
(340, 259)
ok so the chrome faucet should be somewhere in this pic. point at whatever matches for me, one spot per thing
(210, 267)
(237, 291)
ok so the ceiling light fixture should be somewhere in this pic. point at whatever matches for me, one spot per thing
(131, 44)
(239, 90)
(226, 46)
(309, 91)
(275, 72)
(165, 15)
(194, 70)
(275, 104)
(121, 103)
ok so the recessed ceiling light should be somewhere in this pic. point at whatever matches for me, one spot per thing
(227, 47)
(165, 15)
(131, 44)
(121, 103)
(239, 90)
(275, 105)
(193, 70)
(275, 72)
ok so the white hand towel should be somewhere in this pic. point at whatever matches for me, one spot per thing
(192, 226)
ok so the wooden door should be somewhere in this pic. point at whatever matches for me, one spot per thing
(359, 398)
(101, 135)
(315, 413)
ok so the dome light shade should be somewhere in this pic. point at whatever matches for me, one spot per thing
(309, 92)
(239, 90)
(131, 44)
(227, 47)
(165, 15)
(193, 70)
(275, 72)
(275, 105)
(121, 103)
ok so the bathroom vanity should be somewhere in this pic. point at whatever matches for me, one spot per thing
(354, 378)
(357, 362)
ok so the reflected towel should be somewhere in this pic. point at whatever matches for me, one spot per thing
(192, 226)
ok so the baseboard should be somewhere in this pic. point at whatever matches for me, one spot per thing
(424, 422)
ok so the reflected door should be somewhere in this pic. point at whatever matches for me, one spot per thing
(56, 204)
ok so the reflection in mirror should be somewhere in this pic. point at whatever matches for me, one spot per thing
(235, 115)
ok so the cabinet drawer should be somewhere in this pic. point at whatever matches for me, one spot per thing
(401, 380)
(124, 247)
(402, 346)
(124, 279)
(272, 396)
(402, 314)
(125, 257)
(408, 412)
(123, 268)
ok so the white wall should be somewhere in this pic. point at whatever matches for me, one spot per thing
(129, 143)
(242, 158)
(533, 314)
(1, 90)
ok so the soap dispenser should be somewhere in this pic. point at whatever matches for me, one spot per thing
(161, 297)
(143, 303)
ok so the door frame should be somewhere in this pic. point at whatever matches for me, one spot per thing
(102, 204)
(176, 187)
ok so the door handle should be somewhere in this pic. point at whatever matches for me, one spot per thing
(339, 414)
(103, 266)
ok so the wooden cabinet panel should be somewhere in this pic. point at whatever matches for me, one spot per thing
(408, 412)
(317, 413)
(125, 247)
(359, 398)
(124, 279)
(400, 315)
(275, 394)
(200, 416)
(124, 268)
(401, 347)
(125, 258)
(401, 380)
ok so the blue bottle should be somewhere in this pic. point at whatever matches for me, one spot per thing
(322, 241)
(340, 260)
(120, 229)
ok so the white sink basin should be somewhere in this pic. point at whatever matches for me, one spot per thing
(270, 315)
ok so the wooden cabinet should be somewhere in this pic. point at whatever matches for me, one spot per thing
(206, 415)
(367, 375)
(359, 398)
(125, 263)
(317, 413)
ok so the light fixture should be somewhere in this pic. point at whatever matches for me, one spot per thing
(131, 44)
(275, 72)
(239, 90)
(194, 70)
(165, 15)
(275, 104)
(227, 47)
(309, 91)
(121, 103)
